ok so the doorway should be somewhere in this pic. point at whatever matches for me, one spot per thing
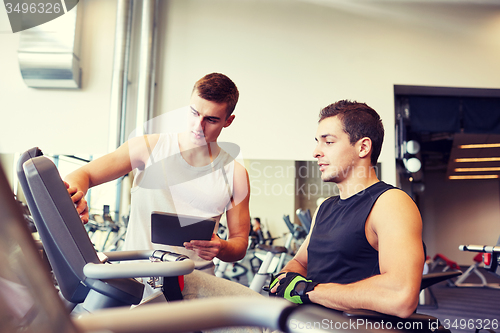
(454, 182)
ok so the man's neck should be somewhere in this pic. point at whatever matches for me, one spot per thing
(358, 181)
(196, 155)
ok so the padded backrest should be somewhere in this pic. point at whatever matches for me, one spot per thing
(61, 231)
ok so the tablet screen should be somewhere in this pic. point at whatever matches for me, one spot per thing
(173, 229)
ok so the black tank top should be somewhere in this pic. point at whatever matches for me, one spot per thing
(338, 249)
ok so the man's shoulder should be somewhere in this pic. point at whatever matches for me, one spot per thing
(162, 136)
(239, 166)
(240, 172)
(143, 141)
(394, 205)
(142, 147)
(393, 194)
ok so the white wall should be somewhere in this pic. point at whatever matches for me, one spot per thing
(290, 58)
(60, 121)
(272, 190)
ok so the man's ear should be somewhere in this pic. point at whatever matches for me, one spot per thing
(229, 120)
(365, 147)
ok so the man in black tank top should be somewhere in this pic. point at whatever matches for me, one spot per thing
(365, 249)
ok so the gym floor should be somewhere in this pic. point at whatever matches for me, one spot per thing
(465, 306)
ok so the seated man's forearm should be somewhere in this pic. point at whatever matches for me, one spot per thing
(295, 266)
(375, 293)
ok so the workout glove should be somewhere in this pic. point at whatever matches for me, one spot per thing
(274, 280)
(293, 287)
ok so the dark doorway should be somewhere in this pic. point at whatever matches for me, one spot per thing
(453, 180)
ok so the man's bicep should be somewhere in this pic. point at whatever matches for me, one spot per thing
(238, 213)
(241, 186)
(138, 150)
(238, 221)
(98, 171)
(301, 255)
(108, 167)
(398, 227)
(130, 155)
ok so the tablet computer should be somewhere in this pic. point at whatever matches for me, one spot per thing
(174, 229)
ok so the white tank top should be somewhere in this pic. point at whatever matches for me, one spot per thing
(169, 184)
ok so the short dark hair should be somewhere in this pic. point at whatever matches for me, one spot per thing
(218, 88)
(359, 121)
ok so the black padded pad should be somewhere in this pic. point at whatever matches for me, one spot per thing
(433, 278)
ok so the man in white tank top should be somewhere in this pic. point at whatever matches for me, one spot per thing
(212, 182)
